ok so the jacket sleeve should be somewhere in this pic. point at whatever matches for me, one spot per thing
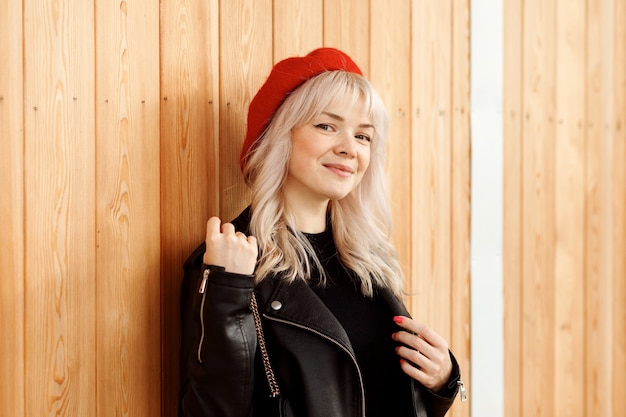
(218, 343)
(438, 404)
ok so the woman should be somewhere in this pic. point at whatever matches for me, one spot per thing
(312, 253)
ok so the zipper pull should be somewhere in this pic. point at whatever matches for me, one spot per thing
(462, 393)
(205, 278)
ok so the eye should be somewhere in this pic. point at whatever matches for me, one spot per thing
(363, 137)
(325, 127)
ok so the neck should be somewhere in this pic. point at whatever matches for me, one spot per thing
(310, 218)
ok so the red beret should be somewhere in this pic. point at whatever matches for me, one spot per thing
(286, 76)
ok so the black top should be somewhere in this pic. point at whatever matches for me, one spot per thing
(369, 325)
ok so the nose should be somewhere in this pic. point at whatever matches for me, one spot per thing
(346, 145)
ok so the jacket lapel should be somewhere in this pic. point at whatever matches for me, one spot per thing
(296, 303)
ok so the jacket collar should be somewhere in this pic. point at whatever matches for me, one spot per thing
(298, 304)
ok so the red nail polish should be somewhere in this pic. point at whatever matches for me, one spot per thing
(394, 335)
(397, 319)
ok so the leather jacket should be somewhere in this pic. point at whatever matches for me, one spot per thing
(222, 372)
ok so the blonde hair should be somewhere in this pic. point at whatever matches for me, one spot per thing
(361, 221)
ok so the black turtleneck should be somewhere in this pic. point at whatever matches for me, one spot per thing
(369, 325)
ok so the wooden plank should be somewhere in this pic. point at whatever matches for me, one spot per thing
(127, 100)
(512, 206)
(431, 158)
(245, 62)
(538, 292)
(12, 319)
(598, 280)
(460, 300)
(59, 208)
(619, 208)
(390, 74)
(346, 26)
(569, 205)
(189, 35)
(297, 27)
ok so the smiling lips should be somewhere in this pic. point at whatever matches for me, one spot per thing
(341, 170)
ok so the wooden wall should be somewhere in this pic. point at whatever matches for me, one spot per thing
(565, 208)
(120, 125)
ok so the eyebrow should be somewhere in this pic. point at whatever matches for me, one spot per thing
(341, 119)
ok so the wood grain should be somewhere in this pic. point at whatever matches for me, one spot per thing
(12, 389)
(347, 27)
(569, 206)
(390, 73)
(431, 157)
(513, 225)
(538, 292)
(189, 159)
(128, 214)
(598, 271)
(245, 62)
(297, 27)
(60, 371)
(460, 178)
(618, 208)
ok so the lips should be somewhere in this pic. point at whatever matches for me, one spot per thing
(340, 169)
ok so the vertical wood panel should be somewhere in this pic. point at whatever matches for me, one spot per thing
(12, 401)
(390, 72)
(297, 27)
(598, 271)
(538, 208)
(460, 306)
(128, 223)
(569, 166)
(245, 61)
(431, 158)
(59, 208)
(189, 162)
(512, 206)
(347, 27)
(619, 209)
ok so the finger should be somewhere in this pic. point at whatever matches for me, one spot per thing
(421, 330)
(228, 228)
(417, 374)
(213, 225)
(416, 343)
(431, 375)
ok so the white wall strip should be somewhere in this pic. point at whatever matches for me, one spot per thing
(487, 394)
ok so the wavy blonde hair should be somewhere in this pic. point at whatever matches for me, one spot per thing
(361, 221)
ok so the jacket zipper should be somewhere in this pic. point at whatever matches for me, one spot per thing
(202, 290)
(462, 393)
(333, 341)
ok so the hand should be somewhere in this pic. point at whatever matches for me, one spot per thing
(232, 250)
(424, 354)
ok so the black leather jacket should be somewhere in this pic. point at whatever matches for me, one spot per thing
(221, 370)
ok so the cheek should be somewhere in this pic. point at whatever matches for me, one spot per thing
(364, 160)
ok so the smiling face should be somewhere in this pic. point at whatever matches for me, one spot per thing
(329, 154)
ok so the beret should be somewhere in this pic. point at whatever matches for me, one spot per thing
(285, 77)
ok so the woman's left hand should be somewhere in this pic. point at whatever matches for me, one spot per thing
(424, 354)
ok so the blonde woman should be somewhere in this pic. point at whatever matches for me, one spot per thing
(295, 307)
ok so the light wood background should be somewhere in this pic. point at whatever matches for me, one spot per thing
(120, 127)
(565, 208)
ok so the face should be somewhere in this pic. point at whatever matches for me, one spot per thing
(330, 154)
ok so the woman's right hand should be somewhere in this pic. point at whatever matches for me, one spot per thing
(232, 250)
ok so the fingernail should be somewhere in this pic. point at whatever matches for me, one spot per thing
(397, 319)
(394, 335)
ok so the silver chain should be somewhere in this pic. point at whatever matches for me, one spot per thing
(269, 372)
